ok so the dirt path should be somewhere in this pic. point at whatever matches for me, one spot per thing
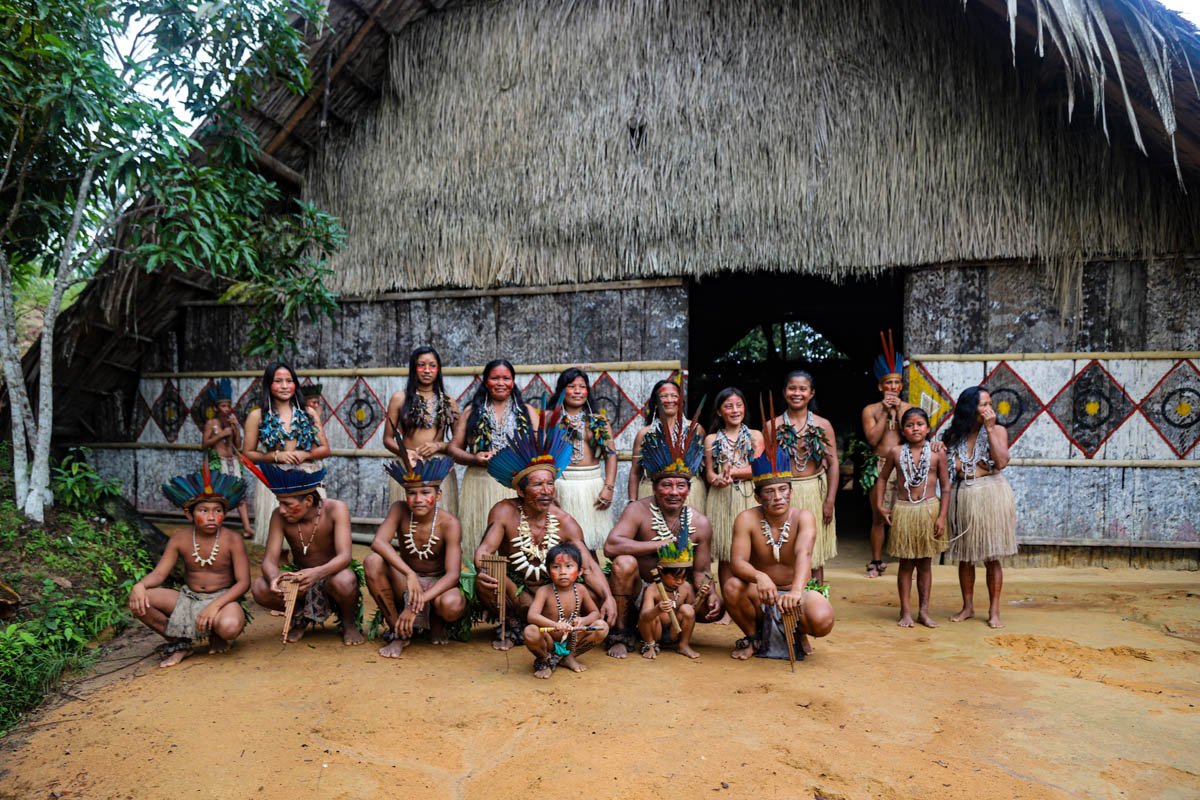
(1092, 690)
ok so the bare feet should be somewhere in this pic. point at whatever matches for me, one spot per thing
(743, 649)
(994, 621)
(217, 645)
(437, 631)
(506, 644)
(926, 620)
(687, 651)
(905, 621)
(352, 635)
(966, 613)
(618, 650)
(873, 569)
(175, 657)
(724, 620)
(540, 672)
(393, 648)
(650, 650)
(805, 644)
(296, 633)
(570, 663)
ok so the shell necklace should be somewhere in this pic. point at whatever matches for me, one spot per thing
(776, 544)
(212, 556)
(662, 531)
(528, 555)
(410, 544)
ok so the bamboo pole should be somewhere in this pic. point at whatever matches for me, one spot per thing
(1143, 355)
(366, 372)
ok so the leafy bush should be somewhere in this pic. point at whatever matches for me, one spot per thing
(76, 484)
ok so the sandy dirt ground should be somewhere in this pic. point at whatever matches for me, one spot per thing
(1090, 691)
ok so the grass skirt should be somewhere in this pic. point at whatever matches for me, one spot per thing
(912, 530)
(696, 495)
(480, 492)
(809, 492)
(724, 504)
(449, 501)
(983, 519)
(576, 490)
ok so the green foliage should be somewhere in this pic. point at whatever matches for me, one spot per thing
(77, 485)
(866, 465)
(788, 341)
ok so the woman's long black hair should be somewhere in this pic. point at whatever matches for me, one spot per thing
(652, 403)
(965, 409)
(730, 391)
(480, 397)
(410, 388)
(268, 403)
(564, 380)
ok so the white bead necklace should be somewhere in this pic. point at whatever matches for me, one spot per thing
(915, 474)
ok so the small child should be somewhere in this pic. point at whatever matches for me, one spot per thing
(576, 627)
(654, 622)
(918, 518)
(222, 438)
(207, 606)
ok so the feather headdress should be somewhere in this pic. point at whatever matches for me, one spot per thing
(890, 362)
(775, 463)
(671, 556)
(412, 475)
(284, 482)
(671, 456)
(546, 448)
(222, 392)
(186, 491)
(311, 390)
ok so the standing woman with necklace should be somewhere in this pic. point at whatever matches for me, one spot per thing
(291, 437)
(728, 452)
(983, 511)
(423, 415)
(665, 407)
(488, 423)
(583, 491)
(810, 442)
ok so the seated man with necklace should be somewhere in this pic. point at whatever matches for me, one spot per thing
(772, 565)
(523, 529)
(317, 532)
(423, 571)
(648, 524)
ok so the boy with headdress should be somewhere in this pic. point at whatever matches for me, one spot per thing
(215, 568)
(646, 525)
(881, 427)
(415, 583)
(222, 437)
(654, 622)
(772, 564)
(317, 532)
(524, 529)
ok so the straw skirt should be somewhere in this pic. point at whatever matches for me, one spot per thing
(449, 501)
(576, 490)
(983, 519)
(696, 495)
(809, 493)
(479, 493)
(912, 534)
(723, 506)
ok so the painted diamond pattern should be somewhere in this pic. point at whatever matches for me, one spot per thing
(925, 392)
(1090, 408)
(680, 379)
(537, 392)
(250, 400)
(608, 396)
(139, 418)
(1173, 408)
(464, 399)
(323, 405)
(203, 408)
(1014, 401)
(169, 411)
(360, 412)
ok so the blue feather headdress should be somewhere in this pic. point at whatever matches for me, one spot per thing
(775, 463)
(891, 362)
(546, 448)
(284, 482)
(223, 391)
(670, 456)
(411, 475)
(186, 491)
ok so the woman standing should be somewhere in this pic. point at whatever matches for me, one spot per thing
(291, 437)
(983, 511)
(728, 452)
(664, 408)
(487, 425)
(584, 491)
(423, 416)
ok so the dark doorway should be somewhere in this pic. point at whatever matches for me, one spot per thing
(750, 330)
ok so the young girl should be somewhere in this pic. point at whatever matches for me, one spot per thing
(488, 423)
(917, 519)
(576, 626)
(727, 456)
(291, 437)
(584, 491)
(423, 416)
(983, 511)
(665, 407)
(810, 442)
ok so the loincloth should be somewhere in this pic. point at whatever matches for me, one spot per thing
(421, 621)
(188, 608)
(772, 641)
(315, 606)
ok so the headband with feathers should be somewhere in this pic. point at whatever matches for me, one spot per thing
(546, 448)
(668, 456)
(222, 391)
(412, 475)
(284, 482)
(775, 463)
(186, 491)
(891, 362)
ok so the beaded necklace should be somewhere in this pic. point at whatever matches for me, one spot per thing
(410, 543)
(429, 414)
(784, 531)
(212, 556)
(915, 474)
(733, 452)
(492, 433)
(530, 556)
(272, 435)
(574, 424)
(811, 439)
(567, 645)
(313, 533)
(981, 453)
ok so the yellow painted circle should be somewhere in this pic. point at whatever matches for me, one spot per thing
(1004, 407)
(360, 414)
(1184, 409)
(1092, 408)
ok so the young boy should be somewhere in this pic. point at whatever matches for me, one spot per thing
(654, 622)
(881, 426)
(222, 438)
(576, 626)
(216, 571)
(917, 518)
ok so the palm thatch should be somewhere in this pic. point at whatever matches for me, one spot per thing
(534, 142)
